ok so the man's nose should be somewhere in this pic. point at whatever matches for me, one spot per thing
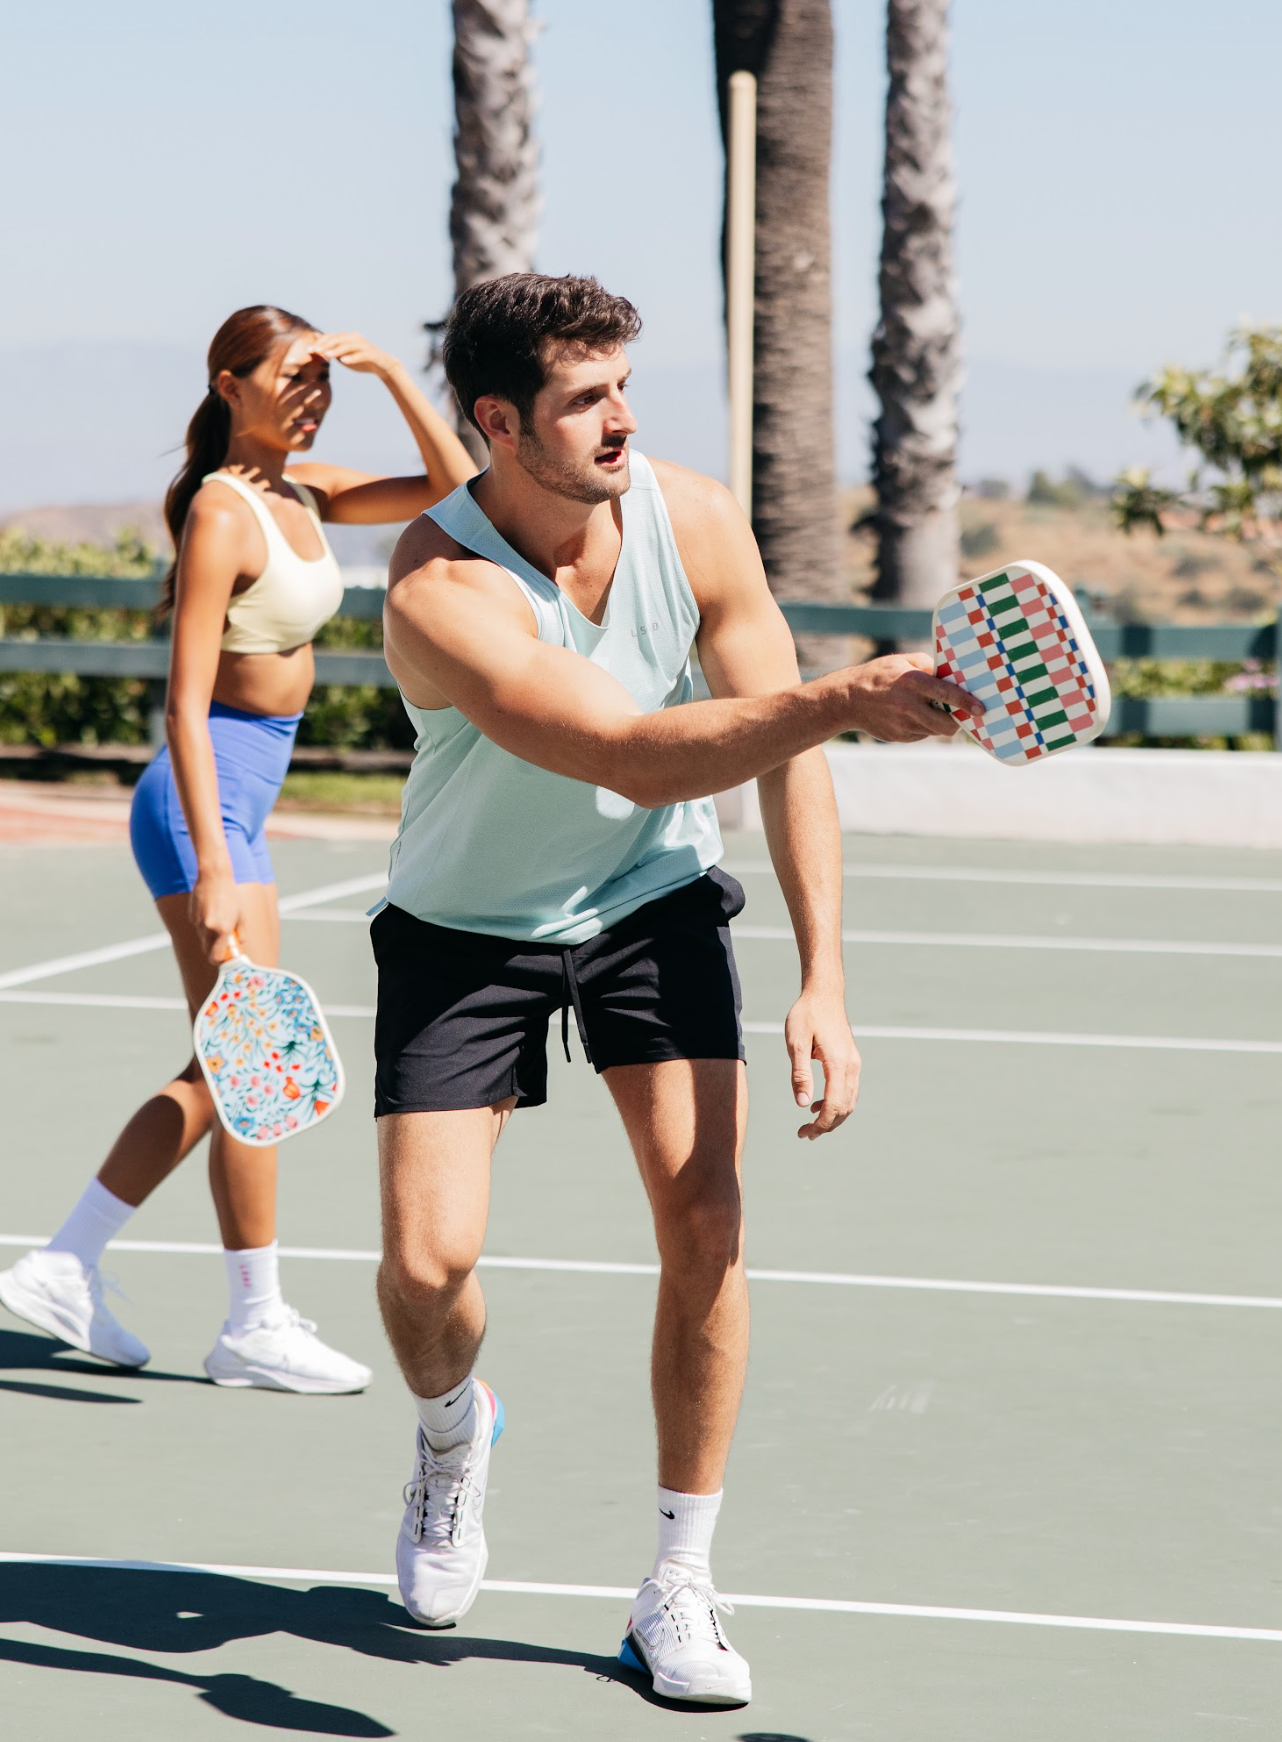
(621, 420)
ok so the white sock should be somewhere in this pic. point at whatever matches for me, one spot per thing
(253, 1280)
(98, 1216)
(450, 1419)
(686, 1524)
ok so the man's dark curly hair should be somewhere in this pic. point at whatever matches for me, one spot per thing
(497, 337)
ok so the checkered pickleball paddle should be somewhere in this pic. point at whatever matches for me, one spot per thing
(1017, 640)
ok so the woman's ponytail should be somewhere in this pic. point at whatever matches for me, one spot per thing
(244, 340)
(208, 435)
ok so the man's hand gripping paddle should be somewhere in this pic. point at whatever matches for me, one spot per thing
(266, 1051)
(1017, 640)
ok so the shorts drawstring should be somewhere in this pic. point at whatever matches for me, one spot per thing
(570, 991)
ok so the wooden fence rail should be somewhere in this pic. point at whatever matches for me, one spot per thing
(1156, 716)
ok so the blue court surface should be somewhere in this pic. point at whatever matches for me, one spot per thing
(1008, 1466)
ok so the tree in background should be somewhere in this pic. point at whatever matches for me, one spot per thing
(787, 46)
(494, 207)
(916, 349)
(1232, 421)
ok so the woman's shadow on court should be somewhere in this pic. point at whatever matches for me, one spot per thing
(179, 1612)
(28, 1352)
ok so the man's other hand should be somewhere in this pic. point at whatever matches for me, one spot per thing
(818, 1028)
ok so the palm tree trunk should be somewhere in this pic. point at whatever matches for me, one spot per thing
(787, 45)
(916, 349)
(494, 207)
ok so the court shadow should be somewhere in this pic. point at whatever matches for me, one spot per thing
(769, 1736)
(28, 1351)
(187, 1612)
(65, 1393)
(235, 1696)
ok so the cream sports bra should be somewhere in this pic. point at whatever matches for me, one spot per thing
(291, 598)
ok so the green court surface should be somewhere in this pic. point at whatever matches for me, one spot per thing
(1008, 1466)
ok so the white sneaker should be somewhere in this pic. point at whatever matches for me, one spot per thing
(55, 1291)
(441, 1550)
(283, 1353)
(675, 1637)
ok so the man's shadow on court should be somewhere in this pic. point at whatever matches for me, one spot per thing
(29, 1352)
(193, 1612)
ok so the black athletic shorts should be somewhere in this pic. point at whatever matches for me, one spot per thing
(462, 1017)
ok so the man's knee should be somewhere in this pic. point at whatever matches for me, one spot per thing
(702, 1227)
(424, 1279)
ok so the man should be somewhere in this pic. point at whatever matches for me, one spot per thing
(558, 851)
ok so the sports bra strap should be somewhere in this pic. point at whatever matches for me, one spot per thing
(263, 514)
(266, 519)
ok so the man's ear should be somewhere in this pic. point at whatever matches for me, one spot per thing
(500, 424)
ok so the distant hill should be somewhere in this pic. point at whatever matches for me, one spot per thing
(91, 523)
(104, 423)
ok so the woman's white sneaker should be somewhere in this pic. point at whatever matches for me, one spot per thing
(283, 1353)
(55, 1292)
(675, 1637)
(441, 1550)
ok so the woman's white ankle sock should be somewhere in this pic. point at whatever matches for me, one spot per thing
(686, 1524)
(97, 1217)
(253, 1281)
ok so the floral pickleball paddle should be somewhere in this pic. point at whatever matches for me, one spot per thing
(267, 1053)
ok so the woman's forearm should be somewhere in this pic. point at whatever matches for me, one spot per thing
(445, 459)
(191, 753)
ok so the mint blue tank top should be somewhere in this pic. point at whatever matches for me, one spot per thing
(490, 843)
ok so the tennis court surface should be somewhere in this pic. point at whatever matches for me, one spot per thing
(1008, 1466)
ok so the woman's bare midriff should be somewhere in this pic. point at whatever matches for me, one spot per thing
(266, 683)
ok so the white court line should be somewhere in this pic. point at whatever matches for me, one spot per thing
(625, 1593)
(1031, 1037)
(1055, 879)
(942, 939)
(823, 1278)
(119, 1001)
(1013, 941)
(159, 940)
(333, 915)
(863, 1030)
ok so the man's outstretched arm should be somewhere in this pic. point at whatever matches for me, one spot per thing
(458, 631)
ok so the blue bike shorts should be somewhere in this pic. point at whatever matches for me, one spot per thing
(251, 755)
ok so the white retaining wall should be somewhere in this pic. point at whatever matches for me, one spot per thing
(1219, 798)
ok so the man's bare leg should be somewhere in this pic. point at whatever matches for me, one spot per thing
(686, 1121)
(435, 1170)
(435, 1174)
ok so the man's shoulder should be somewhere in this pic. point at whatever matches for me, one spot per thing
(689, 495)
(424, 543)
(714, 538)
(429, 566)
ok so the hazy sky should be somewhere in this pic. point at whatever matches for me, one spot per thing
(167, 162)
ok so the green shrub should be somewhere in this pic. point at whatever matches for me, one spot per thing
(47, 709)
(981, 540)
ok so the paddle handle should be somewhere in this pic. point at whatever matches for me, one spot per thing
(235, 952)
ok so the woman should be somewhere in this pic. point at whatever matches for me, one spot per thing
(252, 582)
